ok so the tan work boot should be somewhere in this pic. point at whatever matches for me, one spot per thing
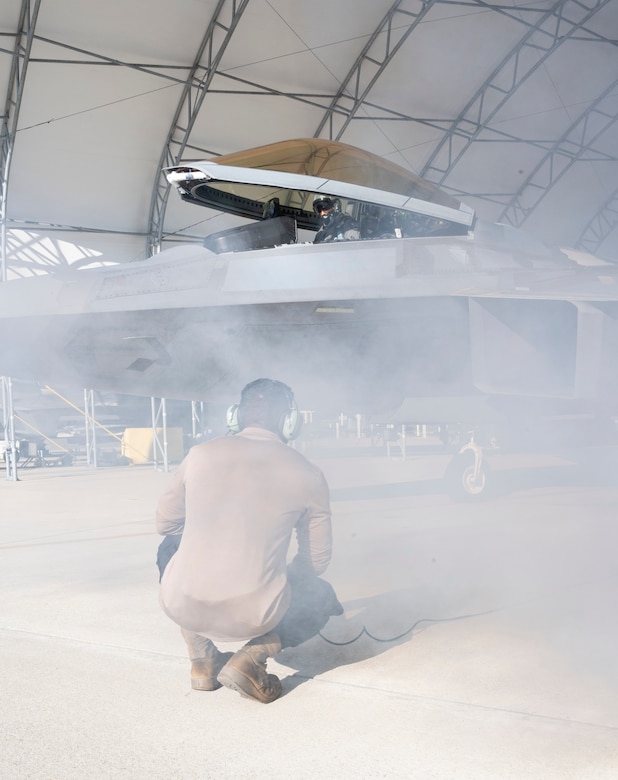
(204, 671)
(246, 673)
(206, 661)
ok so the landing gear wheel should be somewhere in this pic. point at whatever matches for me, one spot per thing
(463, 484)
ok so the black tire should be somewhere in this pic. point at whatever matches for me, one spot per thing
(460, 481)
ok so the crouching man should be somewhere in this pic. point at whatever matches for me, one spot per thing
(235, 503)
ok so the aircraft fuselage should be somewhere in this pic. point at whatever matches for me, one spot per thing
(357, 326)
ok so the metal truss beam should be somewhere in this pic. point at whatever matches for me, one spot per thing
(555, 27)
(575, 145)
(19, 65)
(379, 50)
(386, 41)
(94, 58)
(315, 99)
(54, 227)
(600, 226)
(219, 33)
(493, 134)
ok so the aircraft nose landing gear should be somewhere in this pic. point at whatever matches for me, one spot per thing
(467, 475)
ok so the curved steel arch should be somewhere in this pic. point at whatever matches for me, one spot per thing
(554, 29)
(21, 55)
(600, 226)
(574, 144)
(225, 18)
(370, 64)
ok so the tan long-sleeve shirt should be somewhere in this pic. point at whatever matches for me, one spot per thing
(237, 501)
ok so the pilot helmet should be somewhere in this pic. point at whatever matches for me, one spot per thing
(326, 207)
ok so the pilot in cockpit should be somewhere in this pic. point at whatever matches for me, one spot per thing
(335, 225)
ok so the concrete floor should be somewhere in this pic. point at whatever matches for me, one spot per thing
(478, 641)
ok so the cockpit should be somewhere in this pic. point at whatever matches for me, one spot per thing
(275, 187)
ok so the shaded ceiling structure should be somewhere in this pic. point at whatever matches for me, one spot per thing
(511, 107)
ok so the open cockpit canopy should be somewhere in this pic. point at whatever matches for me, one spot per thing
(283, 179)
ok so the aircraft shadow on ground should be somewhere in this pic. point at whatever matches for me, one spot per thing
(388, 490)
(585, 475)
(502, 482)
(367, 628)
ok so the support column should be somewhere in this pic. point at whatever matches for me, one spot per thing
(91, 428)
(10, 116)
(159, 434)
(197, 420)
(10, 453)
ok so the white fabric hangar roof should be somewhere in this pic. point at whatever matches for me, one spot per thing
(510, 106)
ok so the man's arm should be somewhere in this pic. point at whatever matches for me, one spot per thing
(314, 531)
(170, 514)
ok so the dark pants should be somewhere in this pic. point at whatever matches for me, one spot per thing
(313, 603)
(313, 600)
(167, 548)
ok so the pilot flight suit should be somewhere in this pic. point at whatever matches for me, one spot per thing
(338, 226)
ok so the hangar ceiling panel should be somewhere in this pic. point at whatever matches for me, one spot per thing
(80, 132)
(324, 23)
(477, 96)
(149, 31)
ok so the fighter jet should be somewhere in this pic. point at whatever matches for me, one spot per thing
(430, 315)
